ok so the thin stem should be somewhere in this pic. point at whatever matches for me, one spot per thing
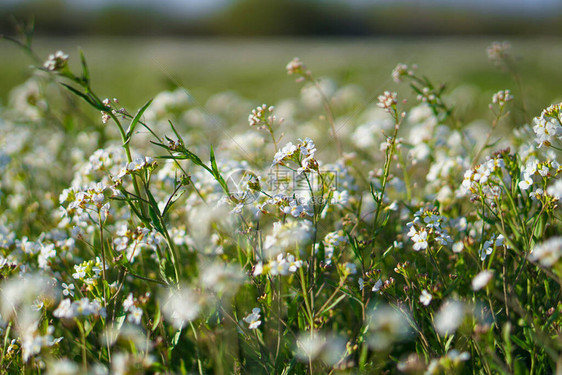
(387, 163)
(329, 113)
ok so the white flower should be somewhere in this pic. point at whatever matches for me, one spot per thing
(502, 97)
(386, 325)
(432, 221)
(279, 266)
(37, 305)
(400, 71)
(68, 289)
(377, 286)
(449, 317)
(555, 190)
(47, 252)
(293, 264)
(481, 280)
(458, 247)
(499, 240)
(548, 252)
(526, 182)
(295, 66)
(253, 319)
(181, 306)
(326, 348)
(387, 100)
(425, 297)
(258, 269)
(56, 61)
(120, 243)
(222, 277)
(285, 153)
(129, 302)
(420, 240)
(135, 315)
(64, 310)
(63, 367)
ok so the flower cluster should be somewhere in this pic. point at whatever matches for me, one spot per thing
(136, 166)
(56, 61)
(302, 154)
(253, 319)
(89, 272)
(547, 127)
(297, 67)
(33, 341)
(387, 101)
(426, 228)
(69, 309)
(133, 307)
(484, 178)
(502, 97)
(262, 116)
(289, 236)
(401, 71)
(498, 51)
(490, 245)
(134, 242)
(282, 265)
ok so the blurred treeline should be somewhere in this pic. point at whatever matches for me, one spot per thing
(281, 18)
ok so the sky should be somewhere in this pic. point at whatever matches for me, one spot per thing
(187, 7)
(198, 8)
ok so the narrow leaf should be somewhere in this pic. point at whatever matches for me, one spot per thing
(84, 96)
(85, 71)
(136, 119)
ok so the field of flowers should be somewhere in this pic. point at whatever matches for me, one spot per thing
(312, 235)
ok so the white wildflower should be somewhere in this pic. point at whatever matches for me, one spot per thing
(482, 279)
(253, 319)
(425, 297)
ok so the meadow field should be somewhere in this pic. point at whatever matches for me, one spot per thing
(276, 206)
(137, 69)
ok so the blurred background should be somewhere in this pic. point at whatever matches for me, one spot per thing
(137, 48)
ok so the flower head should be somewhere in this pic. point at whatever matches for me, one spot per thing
(425, 297)
(253, 319)
(56, 61)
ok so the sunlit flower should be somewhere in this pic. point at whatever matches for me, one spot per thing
(449, 317)
(482, 279)
(68, 289)
(425, 297)
(56, 61)
(253, 319)
(548, 252)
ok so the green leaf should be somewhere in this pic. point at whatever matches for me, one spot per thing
(336, 302)
(176, 196)
(155, 220)
(506, 333)
(522, 343)
(387, 251)
(136, 119)
(88, 100)
(353, 244)
(156, 320)
(162, 268)
(180, 139)
(85, 71)
(176, 338)
(216, 173)
(120, 319)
